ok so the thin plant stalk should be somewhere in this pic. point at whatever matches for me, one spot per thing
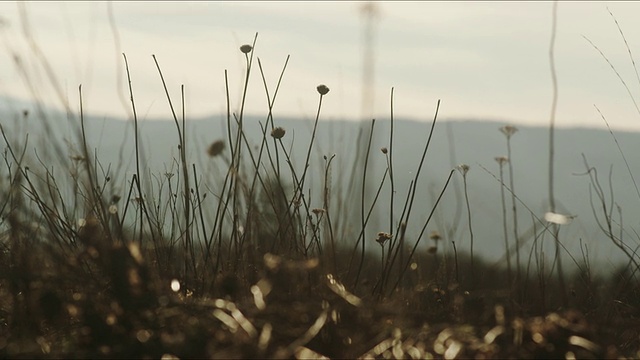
(362, 216)
(412, 190)
(183, 163)
(515, 211)
(465, 169)
(137, 146)
(501, 161)
(424, 228)
(390, 165)
(554, 103)
(508, 131)
(328, 217)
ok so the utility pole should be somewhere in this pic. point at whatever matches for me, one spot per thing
(369, 12)
(360, 187)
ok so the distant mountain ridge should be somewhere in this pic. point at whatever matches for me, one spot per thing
(476, 143)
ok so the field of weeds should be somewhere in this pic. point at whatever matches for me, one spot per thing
(255, 263)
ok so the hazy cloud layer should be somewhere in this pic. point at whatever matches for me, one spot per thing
(484, 59)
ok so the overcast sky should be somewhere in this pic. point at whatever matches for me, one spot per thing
(484, 60)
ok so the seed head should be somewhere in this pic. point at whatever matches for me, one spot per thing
(384, 150)
(215, 148)
(317, 211)
(463, 168)
(383, 237)
(502, 160)
(278, 133)
(322, 89)
(508, 130)
(559, 219)
(435, 235)
(246, 48)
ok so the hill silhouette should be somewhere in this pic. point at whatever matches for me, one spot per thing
(472, 142)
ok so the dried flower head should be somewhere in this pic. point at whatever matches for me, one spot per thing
(317, 211)
(246, 48)
(502, 160)
(215, 148)
(558, 218)
(278, 133)
(508, 130)
(384, 150)
(383, 237)
(77, 158)
(435, 235)
(463, 168)
(323, 89)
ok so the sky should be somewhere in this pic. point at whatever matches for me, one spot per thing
(483, 60)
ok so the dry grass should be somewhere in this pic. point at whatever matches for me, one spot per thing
(257, 269)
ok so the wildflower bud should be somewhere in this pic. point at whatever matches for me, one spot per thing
(246, 48)
(323, 89)
(215, 148)
(278, 133)
(384, 150)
